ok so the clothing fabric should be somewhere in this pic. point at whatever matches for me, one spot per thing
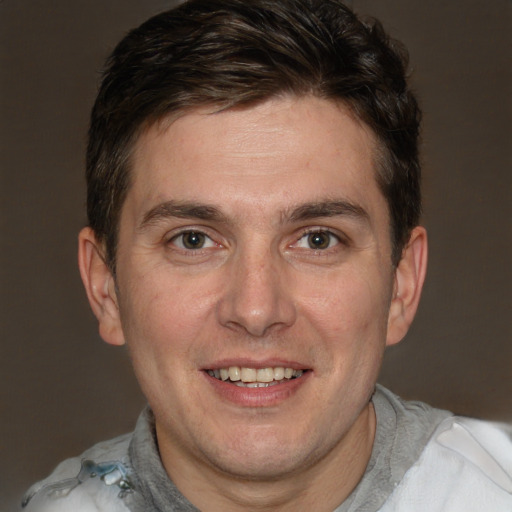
(423, 459)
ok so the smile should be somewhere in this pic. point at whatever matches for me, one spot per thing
(255, 378)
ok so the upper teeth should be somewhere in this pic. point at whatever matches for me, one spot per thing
(237, 373)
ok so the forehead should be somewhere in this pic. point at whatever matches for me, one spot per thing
(283, 151)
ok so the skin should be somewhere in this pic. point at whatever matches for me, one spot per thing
(255, 183)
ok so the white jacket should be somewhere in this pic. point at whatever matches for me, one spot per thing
(465, 467)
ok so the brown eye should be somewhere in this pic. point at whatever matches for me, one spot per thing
(319, 240)
(192, 240)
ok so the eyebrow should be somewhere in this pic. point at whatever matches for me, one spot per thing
(329, 208)
(183, 210)
(306, 211)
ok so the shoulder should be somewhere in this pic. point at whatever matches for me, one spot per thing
(466, 466)
(485, 448)
(98, 480)
(483, 443)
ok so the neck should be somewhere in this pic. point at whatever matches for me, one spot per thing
(321, 486)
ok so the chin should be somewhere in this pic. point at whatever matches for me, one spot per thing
(271, 469)
(270, 458)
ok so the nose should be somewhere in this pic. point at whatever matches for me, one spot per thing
(257, 298)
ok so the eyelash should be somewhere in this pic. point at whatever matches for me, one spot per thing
(176, 240)
(322, 231)
(173, 240)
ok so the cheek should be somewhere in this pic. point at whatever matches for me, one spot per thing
(349, 307)
(163, 317)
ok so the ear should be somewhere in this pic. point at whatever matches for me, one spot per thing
(409, 279)
(100, 287)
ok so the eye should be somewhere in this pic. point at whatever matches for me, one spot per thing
(318, 240)
(192, 240)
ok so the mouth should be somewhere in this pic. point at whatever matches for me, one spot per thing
(255, 377)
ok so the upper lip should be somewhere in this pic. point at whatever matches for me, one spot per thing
(257, 364)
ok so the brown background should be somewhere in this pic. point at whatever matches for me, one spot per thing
(63, 389)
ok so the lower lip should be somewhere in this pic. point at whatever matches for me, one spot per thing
(257, 397)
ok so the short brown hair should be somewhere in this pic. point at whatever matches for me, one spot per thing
(229, 53)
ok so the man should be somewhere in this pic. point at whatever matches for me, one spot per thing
(254, 240)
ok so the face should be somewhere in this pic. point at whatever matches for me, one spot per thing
(254, 284)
